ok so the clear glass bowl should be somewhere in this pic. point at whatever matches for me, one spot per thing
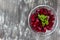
(48, 32)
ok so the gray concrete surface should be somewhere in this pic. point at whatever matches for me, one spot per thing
(9, 27)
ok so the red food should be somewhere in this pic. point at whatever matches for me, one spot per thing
(32, 17)
(51, 18)
(31, 23)
(43, 11)
(37, 20)
(43, 29)
(51, 24)
(49, 13)
(36, 24)
(38, 29)
(48, 28)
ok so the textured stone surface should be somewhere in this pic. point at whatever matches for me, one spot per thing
(13, 20)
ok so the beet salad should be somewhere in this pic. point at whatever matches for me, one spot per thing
(41, 20)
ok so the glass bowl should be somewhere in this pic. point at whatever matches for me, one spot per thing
(48, 32)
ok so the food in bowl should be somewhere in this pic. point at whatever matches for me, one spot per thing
(41, 20)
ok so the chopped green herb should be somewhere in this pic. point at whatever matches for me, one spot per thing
(46, 22)
(43, 19)
(43, 24)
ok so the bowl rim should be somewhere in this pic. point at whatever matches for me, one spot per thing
(48, 7)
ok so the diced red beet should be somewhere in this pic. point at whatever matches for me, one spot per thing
(38, 29)
(43, 29)
(31, 23)
(51, 18)
(32, 18)
(40, 25)
(36, 14)
(33, 28)
(51, 24)
(45, 11)
(37, 20)
(37, 11)
(34, 25)
(32, 15)
(41, 11)
(48, 28)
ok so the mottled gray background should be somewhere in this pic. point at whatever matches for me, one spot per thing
(13, 19)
